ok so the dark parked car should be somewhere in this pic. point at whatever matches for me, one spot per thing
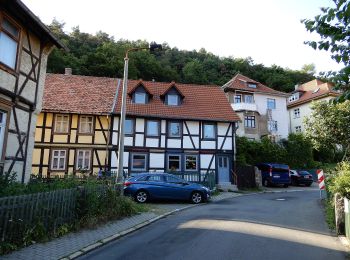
(301, 177)
(146, 186)
(274, 174)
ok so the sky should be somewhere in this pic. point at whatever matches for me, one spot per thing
(268, 31)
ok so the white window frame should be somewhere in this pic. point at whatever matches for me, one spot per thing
(147, 128)
(59, 120)
(180, 163)
(169, 129)
(59, 157)
(193, 155)
(236, 98)
(297, 113)
(84, 120)
(132, 126)
(252, 85)
(298, 129)
(173, 96)
(132, 162)
(251, 120)
(86, 155)
(142, 96)
(269, 100)
(214, 131)
(249, 99)
(273, 126)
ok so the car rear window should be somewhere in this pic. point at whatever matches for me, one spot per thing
(280, 168)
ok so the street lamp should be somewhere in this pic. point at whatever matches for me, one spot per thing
(152, 47)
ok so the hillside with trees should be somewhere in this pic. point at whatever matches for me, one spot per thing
(102, 55)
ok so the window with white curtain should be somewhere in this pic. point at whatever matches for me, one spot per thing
(58, 161)
(3, 117)
(83, 159)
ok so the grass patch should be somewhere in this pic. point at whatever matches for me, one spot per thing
(330, 214)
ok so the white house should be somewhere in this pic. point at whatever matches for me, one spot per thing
(262, 110)
(300, 100)
(25, 43)
(177, 127)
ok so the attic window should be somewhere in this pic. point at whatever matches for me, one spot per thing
(173, 99)
(315, 91)
(140, 95)
(140, 98)
(251, 85)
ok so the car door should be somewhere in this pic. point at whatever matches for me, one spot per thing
(176, 188)
(155, 186)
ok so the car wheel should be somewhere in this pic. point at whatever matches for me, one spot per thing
(285, 185)
(141, 196)
(196, 197)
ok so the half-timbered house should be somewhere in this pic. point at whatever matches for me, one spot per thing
(25, 43)
(169, 127)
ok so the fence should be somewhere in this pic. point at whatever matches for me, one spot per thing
(205, 178)
(245, 177)
(50, 209)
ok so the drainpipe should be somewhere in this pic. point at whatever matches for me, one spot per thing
(234, 146)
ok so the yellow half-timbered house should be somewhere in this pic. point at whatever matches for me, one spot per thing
(72, 132)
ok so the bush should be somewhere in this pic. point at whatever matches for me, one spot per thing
(339, 181)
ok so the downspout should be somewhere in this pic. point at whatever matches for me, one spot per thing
(110, 122)
(234, 147)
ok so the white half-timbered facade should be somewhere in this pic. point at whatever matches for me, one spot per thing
(176, 128)
(25, 44)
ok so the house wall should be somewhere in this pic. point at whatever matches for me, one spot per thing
(21, 92)
(305, 111)
(157, 149)
(46, 140)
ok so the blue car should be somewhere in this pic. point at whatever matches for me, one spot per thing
(275, 174)
(147, 186)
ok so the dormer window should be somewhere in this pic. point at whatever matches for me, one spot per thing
(172, 96)
(173, 99)
(140, 98)
(251, 85)
(140, 94)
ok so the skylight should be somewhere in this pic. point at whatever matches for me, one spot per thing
(315, 91)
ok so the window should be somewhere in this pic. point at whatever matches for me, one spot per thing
(294, 97)
(271, 103)
(208, 131)
(138, 162)
(174, 162)
(173, 100)
(3, 117)
(174, 129)
(140, 98)
(86, 125)
(129, 127)
(173, 179)
(155, 178)
(58, 161)
(238, 99)
(298, 129)
(152, 128)
(9, 38)
(272, 125)
(61, 123)
(191, 162)
(249, 121)
(296, 113)
(83, 160)
(248, 99)
(251, 85)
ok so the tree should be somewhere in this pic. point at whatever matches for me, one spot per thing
(333, 25)
(309, 69)
(329, 126)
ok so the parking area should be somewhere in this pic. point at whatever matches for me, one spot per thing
(313, 187)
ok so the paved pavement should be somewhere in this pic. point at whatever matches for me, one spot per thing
(75, 244)
(260, 226)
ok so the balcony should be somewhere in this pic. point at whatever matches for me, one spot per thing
(244, 106)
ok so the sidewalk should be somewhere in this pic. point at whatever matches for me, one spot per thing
(76, 244)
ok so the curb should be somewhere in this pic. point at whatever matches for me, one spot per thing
(118, 235)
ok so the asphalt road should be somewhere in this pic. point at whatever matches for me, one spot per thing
(264, 226)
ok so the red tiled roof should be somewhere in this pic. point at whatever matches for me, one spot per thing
(172, 85)
(313, 90)
(94, 95)
(239, 82)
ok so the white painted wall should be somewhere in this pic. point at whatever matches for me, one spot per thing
(156, 160)
(305, 111)
(280, 114)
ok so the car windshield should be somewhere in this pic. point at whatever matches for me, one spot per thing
(304, 173)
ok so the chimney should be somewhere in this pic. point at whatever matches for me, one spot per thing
(296, 87)
(68, 71)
